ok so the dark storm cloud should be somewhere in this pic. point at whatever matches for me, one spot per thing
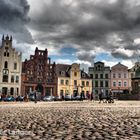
(90, 24)
(13, 19)
(86, 56)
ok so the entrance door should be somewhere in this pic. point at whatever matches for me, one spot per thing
(49, 91)
(4, 91)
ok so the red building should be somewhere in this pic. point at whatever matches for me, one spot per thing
(39, 74)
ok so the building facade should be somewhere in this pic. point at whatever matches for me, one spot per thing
(119, 79)
(72, 80)
(38, 74)
(10, 69)
(132, 73)
(100, 75)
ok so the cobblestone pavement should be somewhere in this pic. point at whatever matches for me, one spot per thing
(84, 120)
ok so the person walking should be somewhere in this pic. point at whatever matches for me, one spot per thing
(35, 96)
(91, 96)
(100, 97)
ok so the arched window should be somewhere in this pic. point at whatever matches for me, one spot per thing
(12, 91)
(15, 66)
(6, 65)
(12, 79)
(5, 78)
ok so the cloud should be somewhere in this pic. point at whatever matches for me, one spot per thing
(14, 18)
(92, 25)
(86, 56)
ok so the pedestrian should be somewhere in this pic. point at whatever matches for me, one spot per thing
(100, 97)
(91, 96)
(35, 96)
(110, 98)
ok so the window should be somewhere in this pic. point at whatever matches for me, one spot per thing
(15, 66)
(62, 73)
(106, 83)
(114, 84)
(106, 76)
(114, 75)
(96, 83)
(67, 82)
(4, 53)
(125, 84)
(62, 82)
(17, 91)
(132, 75)
(83, 83)
(83, 75)
(5, 78)
(119, 75)
(101, 83)
(61, 92)
(125, 75)
(101, 76)
(7, 54)
(96, 76)
(91, 75)
(17, 79)
(119, 84)
(87, 83)
(5, 72)
(6, 65)
(12, 79)
(75, 82)
(75, 73)
(12, 91)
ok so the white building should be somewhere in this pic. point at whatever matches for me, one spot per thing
(10, 69)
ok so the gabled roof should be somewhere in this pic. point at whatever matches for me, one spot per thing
(119, 66)
(84, 75)
(62, 68)
(98, 62)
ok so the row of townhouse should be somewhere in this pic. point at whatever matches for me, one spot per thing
(117, 79)
(38, 73)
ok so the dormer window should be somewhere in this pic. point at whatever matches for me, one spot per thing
(83, 75)
(75, 73)
(62, 73)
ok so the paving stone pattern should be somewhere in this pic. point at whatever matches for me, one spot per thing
(70, 121)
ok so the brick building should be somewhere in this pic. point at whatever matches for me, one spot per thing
(39, 74)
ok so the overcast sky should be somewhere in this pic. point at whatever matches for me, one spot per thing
(82, 31)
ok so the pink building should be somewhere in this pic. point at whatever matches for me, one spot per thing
(119, 79)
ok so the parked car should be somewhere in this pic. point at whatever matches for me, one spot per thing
(9, 99)
(67, 97)
(48, 98)
(77, 98)
(20, 98)
(57, 98)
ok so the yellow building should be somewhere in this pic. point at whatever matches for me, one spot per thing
(73, 81)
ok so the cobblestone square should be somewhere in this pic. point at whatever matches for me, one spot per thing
(75, 120)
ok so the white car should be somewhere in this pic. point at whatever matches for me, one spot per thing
(48, 98)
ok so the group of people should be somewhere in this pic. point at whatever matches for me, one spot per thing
(106, 99)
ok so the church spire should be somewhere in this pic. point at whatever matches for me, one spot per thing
(10, 38)
(3, 37)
